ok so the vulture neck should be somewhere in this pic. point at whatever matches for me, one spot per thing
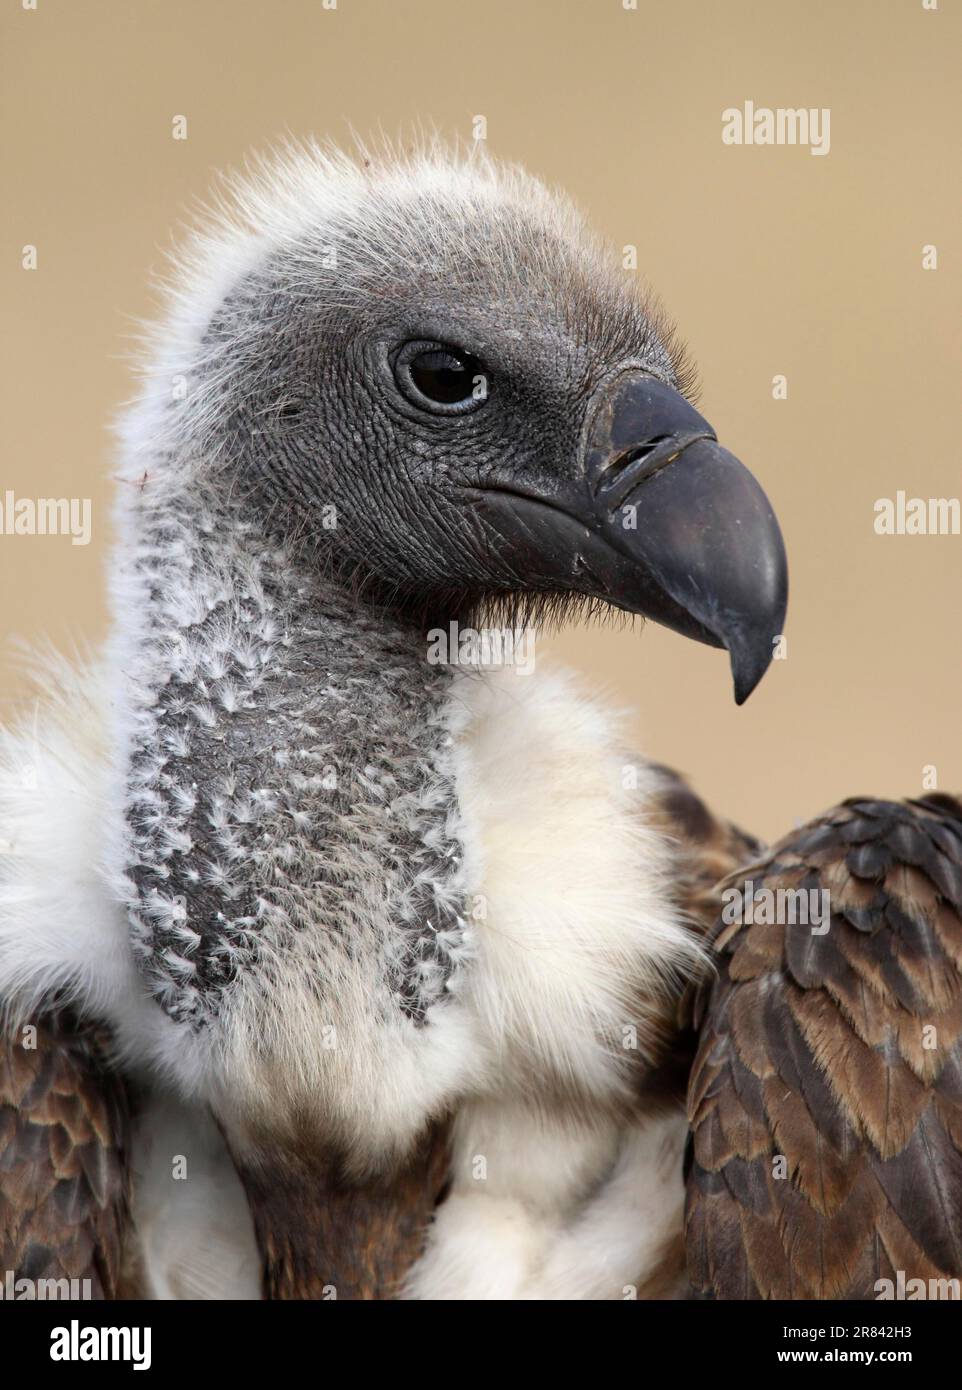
(287, 761)
(288, 796)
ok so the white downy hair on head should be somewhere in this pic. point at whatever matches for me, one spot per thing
(279, 207)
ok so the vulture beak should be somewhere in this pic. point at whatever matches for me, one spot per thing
(660, 520)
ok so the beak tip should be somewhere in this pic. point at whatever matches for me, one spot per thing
(753, 641)
(750, 659)
(743, 689)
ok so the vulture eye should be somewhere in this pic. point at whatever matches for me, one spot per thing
(441, 378)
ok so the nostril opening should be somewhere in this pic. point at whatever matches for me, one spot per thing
(635, 455)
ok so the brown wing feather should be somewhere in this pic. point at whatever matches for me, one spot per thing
(63, 1181)
(709, 849)
(706, 849)
(842, 1054)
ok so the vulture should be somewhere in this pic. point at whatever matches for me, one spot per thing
(343, 954)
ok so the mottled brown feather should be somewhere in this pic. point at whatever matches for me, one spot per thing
(855, 1039)
(64, 1119)
(325, 1235)
(705, 850)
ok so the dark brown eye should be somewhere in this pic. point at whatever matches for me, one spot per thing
(441, 378)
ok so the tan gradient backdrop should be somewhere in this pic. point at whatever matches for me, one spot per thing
(771, 260)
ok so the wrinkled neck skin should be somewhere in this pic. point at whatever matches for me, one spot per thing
(285, 769)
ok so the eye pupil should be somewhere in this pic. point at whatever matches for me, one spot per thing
(445, 377)
(441, 377)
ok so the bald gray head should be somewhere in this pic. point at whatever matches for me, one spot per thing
(432, 375)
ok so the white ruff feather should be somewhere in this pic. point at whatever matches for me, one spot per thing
(576, 941)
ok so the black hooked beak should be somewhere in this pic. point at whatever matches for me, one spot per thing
(661, 521)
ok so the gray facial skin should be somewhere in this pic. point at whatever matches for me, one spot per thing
(332, 424)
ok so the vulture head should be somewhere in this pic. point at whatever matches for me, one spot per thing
(435, 377)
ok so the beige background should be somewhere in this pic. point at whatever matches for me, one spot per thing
(770, 259)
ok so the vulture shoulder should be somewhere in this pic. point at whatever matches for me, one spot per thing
(826, 1097)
